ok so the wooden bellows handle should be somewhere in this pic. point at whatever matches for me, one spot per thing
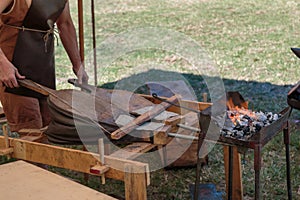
(35, 87)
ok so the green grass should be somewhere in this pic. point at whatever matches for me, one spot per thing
(249, 42)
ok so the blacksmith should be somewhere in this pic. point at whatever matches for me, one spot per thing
(27, 51)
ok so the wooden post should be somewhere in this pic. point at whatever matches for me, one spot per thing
(101, 154)
(204, 96)
(135, 183)
(6, 150)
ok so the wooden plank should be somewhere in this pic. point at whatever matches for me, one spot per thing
(186, 103)
(76, 160)
(121, 132)
(133, 150)
(237, 186)
(135, 188)
(21, 180)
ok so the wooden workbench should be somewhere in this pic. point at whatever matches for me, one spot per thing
(21, 180)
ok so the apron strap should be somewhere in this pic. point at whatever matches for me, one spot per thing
(47, 33)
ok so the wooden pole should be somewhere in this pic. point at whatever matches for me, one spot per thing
(94, 42)
(81, 31)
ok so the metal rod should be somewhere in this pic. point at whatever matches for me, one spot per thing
(187, 137)
(230, 176)
(189, 128)
(287, 157)
(257, 168)
(94, 42)
(198, 169)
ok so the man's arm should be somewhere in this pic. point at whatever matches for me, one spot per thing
(68, 37)
(4, 4)
(8, 73)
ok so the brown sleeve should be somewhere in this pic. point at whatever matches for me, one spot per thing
(8, 36)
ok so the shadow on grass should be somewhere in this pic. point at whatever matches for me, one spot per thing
(262, 96)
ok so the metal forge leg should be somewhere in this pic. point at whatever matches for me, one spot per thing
(286, 134)
(230, 179)
(257, 168)
(198, 169)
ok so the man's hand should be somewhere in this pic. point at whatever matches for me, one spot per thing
(81, 75)
(9, 74)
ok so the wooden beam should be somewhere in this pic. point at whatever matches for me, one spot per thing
(72, 159)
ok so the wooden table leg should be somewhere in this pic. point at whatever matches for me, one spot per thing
(135, 182)
(236, 185)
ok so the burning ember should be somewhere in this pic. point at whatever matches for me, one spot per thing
(242, 123)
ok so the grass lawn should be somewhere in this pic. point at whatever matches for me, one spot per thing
(248, 43)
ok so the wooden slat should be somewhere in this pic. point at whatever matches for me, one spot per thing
(133, 150)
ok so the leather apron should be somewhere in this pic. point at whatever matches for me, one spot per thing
(34, 50)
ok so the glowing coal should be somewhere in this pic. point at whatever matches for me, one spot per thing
(242, 123)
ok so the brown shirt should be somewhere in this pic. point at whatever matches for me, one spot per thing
(8, 36)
